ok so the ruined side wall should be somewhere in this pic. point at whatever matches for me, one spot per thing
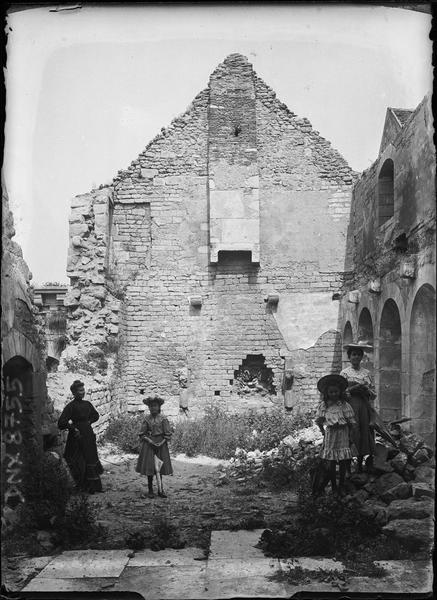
(27, 412)
(386, 270)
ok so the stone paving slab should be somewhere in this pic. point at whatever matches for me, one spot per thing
(233, 568)
(245, 587)
(165, 583)
(235, 544)
(183, 557)
(78, 564)
(85, 584)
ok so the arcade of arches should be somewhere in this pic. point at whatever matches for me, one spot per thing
(403, 365)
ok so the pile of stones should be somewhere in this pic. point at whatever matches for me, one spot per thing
(398, 489)
(292, 451)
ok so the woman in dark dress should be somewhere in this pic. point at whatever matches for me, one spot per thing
(81, 449)
(361, 393)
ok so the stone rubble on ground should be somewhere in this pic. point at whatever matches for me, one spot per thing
(397, 491)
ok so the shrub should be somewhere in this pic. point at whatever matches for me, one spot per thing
(327, 526)
(79, 365)
(123, 431)
(219, 433)
(79, 522)
(47, 488)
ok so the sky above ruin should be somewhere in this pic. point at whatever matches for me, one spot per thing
(88, 89)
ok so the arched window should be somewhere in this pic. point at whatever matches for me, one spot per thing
(347, 339)
(422, 362)
(365, 335)
(390, 353)
(386, 192)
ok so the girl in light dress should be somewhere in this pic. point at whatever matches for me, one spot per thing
(336, 420)
(154, 458)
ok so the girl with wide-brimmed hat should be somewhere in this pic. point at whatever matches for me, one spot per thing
(361, 393)
(336, 420)
(154, 458)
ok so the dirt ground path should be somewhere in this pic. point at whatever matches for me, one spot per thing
(197, 501)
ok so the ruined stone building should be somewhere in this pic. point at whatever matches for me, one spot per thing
(217, 252)
(27, 413)
(391, 299)
(239, 246)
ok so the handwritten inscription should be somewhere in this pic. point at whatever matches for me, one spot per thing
(12, 440)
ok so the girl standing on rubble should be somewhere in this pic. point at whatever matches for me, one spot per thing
(336, 420)
(361, 393)
(154, 458)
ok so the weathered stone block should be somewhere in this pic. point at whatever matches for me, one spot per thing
(399, 462)
(78, 229)
(410, 443)
(386, 482)
(422, 490)
(410, 508)
(398, 492)
(71, 299)
(419, 457)
(149, 173)
(424, 474)
(90, 303)
(413, 532)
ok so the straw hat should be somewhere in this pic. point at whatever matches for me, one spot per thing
(153, 400)
(360, 345)
(332, 379)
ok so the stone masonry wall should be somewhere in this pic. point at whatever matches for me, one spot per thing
(158, 250)
(394, 270)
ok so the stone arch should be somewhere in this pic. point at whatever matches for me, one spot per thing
(422, 361)
(16, 344)
(348, 337)
(390, 361)
(365, 334)
(386, 191)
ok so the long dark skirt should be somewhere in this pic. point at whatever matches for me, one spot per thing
(364, 436)
(82, 459)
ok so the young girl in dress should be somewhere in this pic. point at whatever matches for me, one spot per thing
(336, 420)
(154, 458)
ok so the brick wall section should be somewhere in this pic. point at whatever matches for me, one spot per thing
(158, 247)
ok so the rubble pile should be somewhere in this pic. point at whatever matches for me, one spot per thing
(292, 450)
(398, 489)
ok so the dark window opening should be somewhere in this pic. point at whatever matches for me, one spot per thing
(52, 364)
(386, 192)
(254, 377)
(217, 393)
(401, 243)
(231, 382)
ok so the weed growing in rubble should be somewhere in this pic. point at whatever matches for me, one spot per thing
(123, 432)
(326, 526)
(79, 523)
(47, 488)
(219, 433)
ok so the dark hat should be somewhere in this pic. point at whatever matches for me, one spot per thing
(360, 345)
(152, 400)
(332, 379)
